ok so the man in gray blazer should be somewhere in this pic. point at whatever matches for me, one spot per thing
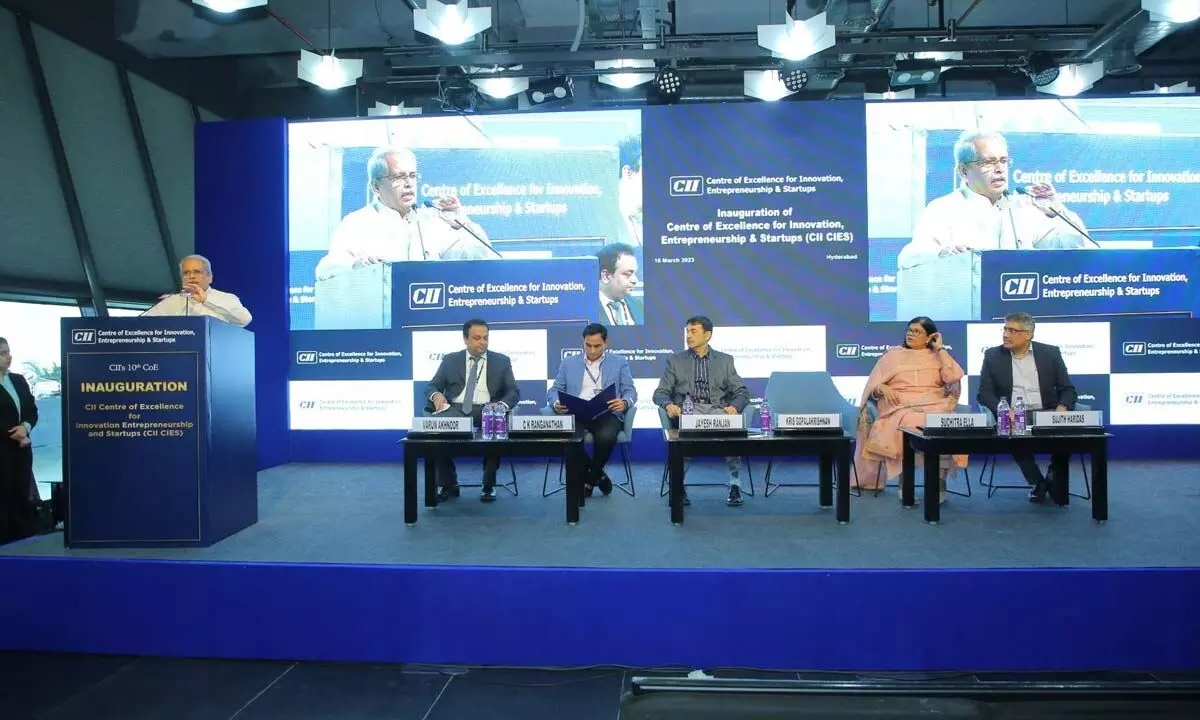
(713, 384)
(465, 382)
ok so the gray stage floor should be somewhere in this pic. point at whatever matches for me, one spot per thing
(353, 514)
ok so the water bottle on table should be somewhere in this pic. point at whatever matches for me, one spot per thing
(488, 422)
(764, 417)
(500, 430)
(1020, 416)
(1003, 421)
(689, 407)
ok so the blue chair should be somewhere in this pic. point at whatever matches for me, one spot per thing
(991, 459)
(807, 392)
(873, 412)
(665, 422)
(623, 439)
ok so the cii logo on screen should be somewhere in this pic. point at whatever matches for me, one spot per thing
(571, 352)
(1020, 286)
(847, 351)
(83, 337)
(1133, 348)
(306, 357)
(1133, 399)
(685, 185)
(426, 296)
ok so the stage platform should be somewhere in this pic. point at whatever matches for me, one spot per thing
(332, 573)
(353, 514)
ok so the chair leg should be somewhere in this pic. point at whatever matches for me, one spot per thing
(967, 475)
(772, 487)
(512, 485)
(546, 477)
(855, 489)
(631, 491)
(1087, 485)
(749, 475)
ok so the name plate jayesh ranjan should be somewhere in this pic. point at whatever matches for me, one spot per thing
(712, 423)
(808, 423)
(1068, 420)
(541, 424)
(441, 426)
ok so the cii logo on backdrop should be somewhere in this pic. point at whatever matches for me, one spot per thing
(570, 352)
(1133, 348)
(306, 357)
(847, 351)
(83, 337)
(1133, 399)
(1020, 286)
(685, 185)
(426, 296)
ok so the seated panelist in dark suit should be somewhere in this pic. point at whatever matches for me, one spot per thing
(1033, 370)
(585, 376)
(18, 415)
(465, 382)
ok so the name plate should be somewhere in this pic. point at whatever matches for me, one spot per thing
(1076, 418)
(711, 423)
(441, 425)
(808, 421)
(955, 420)
(557, 424)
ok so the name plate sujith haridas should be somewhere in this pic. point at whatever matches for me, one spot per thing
(808, 422)
(549, 424)
(1073, 418)
(447, 426)
(947, 421)
(712, 423)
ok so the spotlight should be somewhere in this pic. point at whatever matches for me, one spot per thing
(556, 90)
(328, 71)
(794, 77)
(1173, 11)
(916, 72)
(1042, 69)
(669, 83)
(229, 6)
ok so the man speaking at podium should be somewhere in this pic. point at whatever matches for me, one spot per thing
(393, 228)
(198, 297)
(988, 213)
(465, 381)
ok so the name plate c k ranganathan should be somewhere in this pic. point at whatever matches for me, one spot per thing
(442, 425)
(699, 423)
(541, 424)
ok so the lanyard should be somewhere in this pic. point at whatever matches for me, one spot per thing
(594, 378)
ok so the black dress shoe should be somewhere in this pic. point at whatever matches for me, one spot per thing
(488, 494)
(1037, 494)
(588, 489)
(605, 483)
(445, 494)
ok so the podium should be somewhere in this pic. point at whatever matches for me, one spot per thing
(159, 446)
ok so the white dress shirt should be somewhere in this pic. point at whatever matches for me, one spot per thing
(964, 217)
(625, 317)
(377, 231)
(221, 305)
(591, 386)
(481, 397)
(1025, 381)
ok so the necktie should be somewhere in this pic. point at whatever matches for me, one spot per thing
(472, 377)
(618, 312)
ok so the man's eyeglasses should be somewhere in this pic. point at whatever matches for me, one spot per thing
(1014, 330)
(401, 178)
(989, 164)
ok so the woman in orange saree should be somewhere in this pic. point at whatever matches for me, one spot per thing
(907, 382)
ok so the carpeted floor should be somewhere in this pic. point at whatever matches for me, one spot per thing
(353, 514)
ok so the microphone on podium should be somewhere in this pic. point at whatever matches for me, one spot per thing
(1028, 192)
(429, 204)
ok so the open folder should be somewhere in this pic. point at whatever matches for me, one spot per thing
(587, 410)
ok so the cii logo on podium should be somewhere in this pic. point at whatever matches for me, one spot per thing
(1020, 286)
(426, 296)
(685, 185)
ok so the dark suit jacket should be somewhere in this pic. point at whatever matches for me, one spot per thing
(8, 411)
(725, 385)
(996, 380)
(637, 310)
(451, 378)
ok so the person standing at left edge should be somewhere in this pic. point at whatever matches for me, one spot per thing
(18, 414)
(464, 383)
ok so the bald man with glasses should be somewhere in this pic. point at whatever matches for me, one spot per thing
(1032, 370)
(393, 227)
